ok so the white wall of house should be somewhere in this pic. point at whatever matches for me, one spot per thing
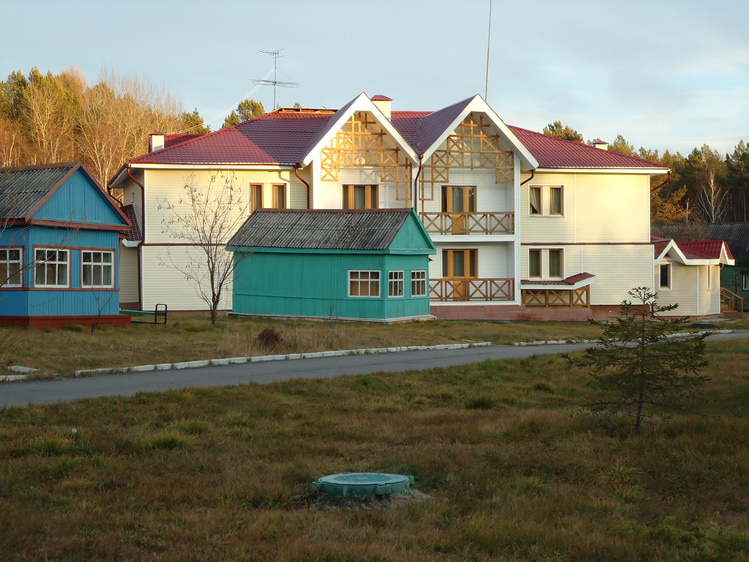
(695, 288)
(128, 274)
(597, 208)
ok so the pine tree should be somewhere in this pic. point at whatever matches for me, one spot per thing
(643, 363)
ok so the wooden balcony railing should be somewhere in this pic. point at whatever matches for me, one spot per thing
(472, 289)
(553, 298)
(469, 223)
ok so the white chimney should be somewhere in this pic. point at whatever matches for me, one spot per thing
(602, 145)
(383, 104)
(155, 142)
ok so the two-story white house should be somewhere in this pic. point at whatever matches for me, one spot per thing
(525, 225)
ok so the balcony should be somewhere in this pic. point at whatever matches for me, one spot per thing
(468, 223)
(472, 289)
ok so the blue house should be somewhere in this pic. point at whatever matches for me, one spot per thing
(59, 248)
(356, 265)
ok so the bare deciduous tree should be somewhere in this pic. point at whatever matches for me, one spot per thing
(206, 217)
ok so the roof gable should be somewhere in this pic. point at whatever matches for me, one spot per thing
(735, 235)
(57, 193)
(305, 229)
(703, 252)
(427, 131)
(341, 117)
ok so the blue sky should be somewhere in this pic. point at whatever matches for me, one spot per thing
(665, 74)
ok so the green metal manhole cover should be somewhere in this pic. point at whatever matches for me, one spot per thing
(364, 484)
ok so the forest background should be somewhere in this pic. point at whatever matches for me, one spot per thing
(48, 118)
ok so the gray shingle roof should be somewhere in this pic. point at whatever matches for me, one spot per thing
(320, 229)
(22, 190)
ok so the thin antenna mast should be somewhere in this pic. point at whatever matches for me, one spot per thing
(488, 45)
(275, 82)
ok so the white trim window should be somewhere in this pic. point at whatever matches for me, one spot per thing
(546, 200)
(97, 269)
(396, 284)
(419, 283)
(664, 276)
(51, 267)
(11, 266)
(745, 281)
(363, 283)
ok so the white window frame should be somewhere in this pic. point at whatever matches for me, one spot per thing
(545, 200)
(419, 283)
(368, 279)
(46, 261)
(396, 284)
(7, 263)
(87, 261)
(670, 270)
(745, 280)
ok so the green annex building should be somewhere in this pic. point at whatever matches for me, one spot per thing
(346, 264)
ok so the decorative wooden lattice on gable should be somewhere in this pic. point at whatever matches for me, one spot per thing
(362, 142)
(472, 146)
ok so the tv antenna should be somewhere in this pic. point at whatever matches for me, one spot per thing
(275, 82)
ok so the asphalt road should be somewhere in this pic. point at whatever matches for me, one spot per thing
(128, 384)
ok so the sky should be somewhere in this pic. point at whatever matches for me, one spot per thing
(665, 74)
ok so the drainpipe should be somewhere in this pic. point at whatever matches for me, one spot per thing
(533, 173)
(297, 167)
(416, 183)
(669, 177)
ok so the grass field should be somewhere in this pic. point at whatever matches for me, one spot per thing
(188, 338)
(513, 468)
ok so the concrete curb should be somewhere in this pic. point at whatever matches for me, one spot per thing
(264, 358)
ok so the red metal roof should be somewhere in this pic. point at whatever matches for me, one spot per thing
(285, 136)
(552, 152)
(278, 137)
(704, 249)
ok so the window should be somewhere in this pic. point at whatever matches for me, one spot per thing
(535, 200)
(419, 283)
(364, 283)
(556, 201)
(279, 196)
(98, 269)
(665, 276)
(745, 281)
(258, 201)
(538, 195)
(51, 268)
(396, 285)
(555, 263)
(10, 267)
(459, 263)
(458, 199)
(534, 263)
(360, 197)
(256, 196)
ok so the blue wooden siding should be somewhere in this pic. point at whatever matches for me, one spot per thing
(72, 301)
(79, 200)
